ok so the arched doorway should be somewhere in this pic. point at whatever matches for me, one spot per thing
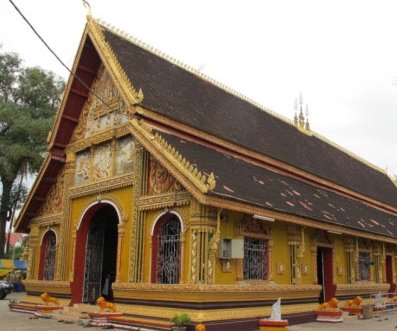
(47, 256)
(96, 254)
(166, 250)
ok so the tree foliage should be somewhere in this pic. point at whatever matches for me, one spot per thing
(29, 98)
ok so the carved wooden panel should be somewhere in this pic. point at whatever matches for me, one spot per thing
(160, 180)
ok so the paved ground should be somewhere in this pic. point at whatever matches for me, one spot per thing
(24, 322)
(10, 321)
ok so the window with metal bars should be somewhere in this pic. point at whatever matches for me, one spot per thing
(349, 267)
(292, 262)
(256, 264)
(364, 268)
(168, 243)
(377, 269)
(49, 256)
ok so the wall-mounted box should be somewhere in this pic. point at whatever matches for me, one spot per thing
(231, 248)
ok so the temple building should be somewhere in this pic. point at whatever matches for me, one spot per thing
(188, 197)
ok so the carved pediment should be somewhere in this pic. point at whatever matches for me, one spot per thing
(54, 199)
(104, 109)
(160, 180)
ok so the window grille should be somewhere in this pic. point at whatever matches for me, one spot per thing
(292, 262)
(49, 257)
(255, 258)
(349, 267)
(93, 263)
(168, 252)
(364, 266)
(377, 269)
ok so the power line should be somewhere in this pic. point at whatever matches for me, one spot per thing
(57, 57)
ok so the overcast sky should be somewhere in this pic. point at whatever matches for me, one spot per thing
(341, 55)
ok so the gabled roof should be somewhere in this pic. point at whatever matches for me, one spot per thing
(184, 97)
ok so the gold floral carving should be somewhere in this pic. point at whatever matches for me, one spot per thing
(160, 180)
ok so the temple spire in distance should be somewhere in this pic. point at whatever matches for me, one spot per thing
(300, 120)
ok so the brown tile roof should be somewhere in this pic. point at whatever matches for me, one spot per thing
(189, 99)
(243, 181)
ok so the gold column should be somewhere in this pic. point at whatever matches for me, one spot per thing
(202, 223)
(62, 272)
(383, 264)
(271, 260)
(74, 235)
(121, 235)
(313, 251)
(136, 237)
(33, 254)
(182, 249)
(193, 257)
(355, 263)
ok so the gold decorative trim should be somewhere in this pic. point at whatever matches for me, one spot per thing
(203, 182)
(108, 57)
(47, 219)
(98, 138)
(216, 289)
(149, 202)
(108, 197)
(101, 186)
(360, 288)
(46, 283)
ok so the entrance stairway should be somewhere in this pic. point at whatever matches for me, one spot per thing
(88, 315)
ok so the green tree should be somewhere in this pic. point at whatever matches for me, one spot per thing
(29, 98)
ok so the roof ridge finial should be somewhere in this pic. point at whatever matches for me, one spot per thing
(301, 118)
(88, 6)
(296, 108)
(307, 124)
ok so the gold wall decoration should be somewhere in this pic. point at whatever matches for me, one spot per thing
(47, 220)
(83, 166)
(187, 173)
(166, 200)
(125, 155)
(101, 186)
(280, 268)
(160, 180)
(253, 228)
(102, 161)
(54, 199)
